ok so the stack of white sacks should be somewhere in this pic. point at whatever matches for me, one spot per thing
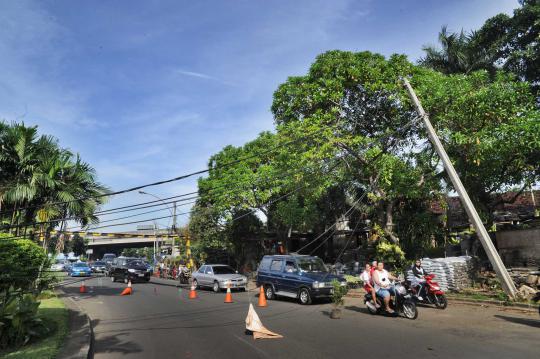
(452, 273)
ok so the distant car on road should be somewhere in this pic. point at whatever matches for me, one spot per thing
(80, 269)
(219, 276)
(98, 266)
(296, 276)
(129, 269)
(61, 265)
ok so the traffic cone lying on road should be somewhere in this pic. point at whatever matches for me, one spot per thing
(192, 292)
(228, 296)
(128, 290)
(262, 298)
(82, 289)
(254, 325)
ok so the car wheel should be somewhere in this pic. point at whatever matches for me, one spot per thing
(215, 287)
(304, 296)
(269, 292)
(195, 284)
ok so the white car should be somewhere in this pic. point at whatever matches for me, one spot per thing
(218, 277)
(60, 265)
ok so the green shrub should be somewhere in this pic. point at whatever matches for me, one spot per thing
(339, 292)
(19, 323)
(21, 263)
(391, 254)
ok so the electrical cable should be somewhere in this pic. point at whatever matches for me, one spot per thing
(178, 178)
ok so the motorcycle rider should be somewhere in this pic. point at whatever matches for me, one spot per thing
(368, 283)
(419, 273)
(383, 287)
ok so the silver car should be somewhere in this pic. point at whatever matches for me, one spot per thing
(219, 276)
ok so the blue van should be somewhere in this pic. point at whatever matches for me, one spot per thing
(296, 276)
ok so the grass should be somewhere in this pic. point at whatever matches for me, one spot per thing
(55, 314)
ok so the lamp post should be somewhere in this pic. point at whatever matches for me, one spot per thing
(172, 212)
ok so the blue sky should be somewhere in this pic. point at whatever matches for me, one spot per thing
(148, 90)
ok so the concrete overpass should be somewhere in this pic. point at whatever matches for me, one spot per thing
(102, 243)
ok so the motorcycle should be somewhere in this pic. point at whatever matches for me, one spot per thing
(402, 303)
(184, 275)
(537, 299)
(431, 293)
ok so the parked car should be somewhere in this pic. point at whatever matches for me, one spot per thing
(219, 276)
(296, 276)
(61, 265)
(80, 269)
(129, 269)
(98, 267)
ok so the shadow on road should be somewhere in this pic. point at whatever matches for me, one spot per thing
(523, 321)
(114, 344)
(92, 291)
(355, 308)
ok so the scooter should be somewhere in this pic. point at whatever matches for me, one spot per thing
(402, 303)
(537, 299)
(431, 293)
(184, 275)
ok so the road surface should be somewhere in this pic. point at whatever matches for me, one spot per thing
(160, 321)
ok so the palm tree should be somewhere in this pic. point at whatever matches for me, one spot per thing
(458, 53)
(42, 182)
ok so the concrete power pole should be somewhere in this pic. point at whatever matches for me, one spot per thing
(173, 227)
(500, 269)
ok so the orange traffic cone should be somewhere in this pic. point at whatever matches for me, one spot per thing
(128, 290)
(192, 292)
(228, 296)
(82, 289)
(262, 298)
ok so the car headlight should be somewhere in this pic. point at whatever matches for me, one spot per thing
(436, 288)
(131, 270)
(318, 284)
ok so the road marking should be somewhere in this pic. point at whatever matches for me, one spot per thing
(253, 346)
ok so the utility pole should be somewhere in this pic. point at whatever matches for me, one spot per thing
(173, 227)
(498, 265)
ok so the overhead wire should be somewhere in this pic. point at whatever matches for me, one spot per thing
(178, 178)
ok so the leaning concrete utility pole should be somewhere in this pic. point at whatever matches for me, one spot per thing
(506, 280)
(173, 227)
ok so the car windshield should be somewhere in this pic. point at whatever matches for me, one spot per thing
(79, 265)
(223, 270)
(311, 265)
(136, 262)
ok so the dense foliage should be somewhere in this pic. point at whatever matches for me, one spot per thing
(348, 141)
(42, 182)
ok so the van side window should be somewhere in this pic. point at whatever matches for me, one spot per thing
(265, 264)
(290, 267)
(276, 265)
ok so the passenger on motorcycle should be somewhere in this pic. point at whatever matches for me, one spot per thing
(419, 273)
(368, 283)
(383, 287)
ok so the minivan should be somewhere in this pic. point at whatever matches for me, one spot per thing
(296, 276)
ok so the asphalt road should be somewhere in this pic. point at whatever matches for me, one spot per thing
(160, 321)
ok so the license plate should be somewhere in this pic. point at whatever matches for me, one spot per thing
(141, 275)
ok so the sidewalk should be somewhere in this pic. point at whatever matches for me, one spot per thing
(78, 342)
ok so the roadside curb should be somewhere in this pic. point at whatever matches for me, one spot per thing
(79, 340)
(497, 303)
